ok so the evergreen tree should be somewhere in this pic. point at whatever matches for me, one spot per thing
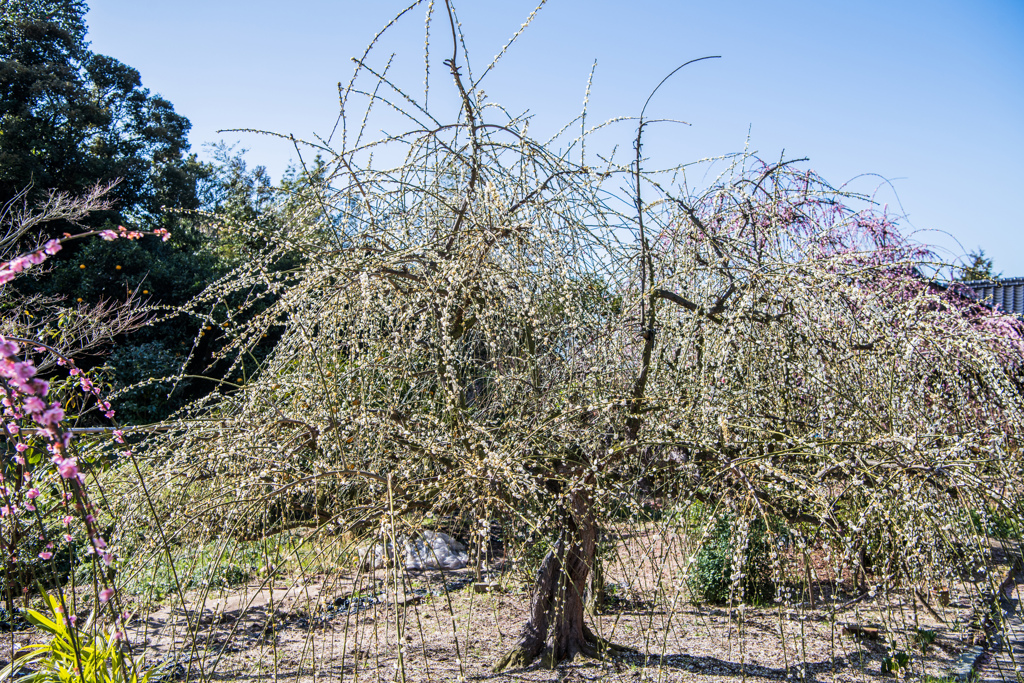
(70, 118)
(978, 267)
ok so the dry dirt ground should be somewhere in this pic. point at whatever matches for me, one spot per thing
(444, 638)
(357, 627)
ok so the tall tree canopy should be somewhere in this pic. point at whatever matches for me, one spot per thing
(70, 118)
(978, 266)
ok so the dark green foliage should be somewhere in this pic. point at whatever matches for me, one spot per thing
(161, 274)
(13, 620)
(169, 272)
(924, 639)
(70, 119)
(978, 267)
(712, 572)
(149, 401)
(997, 523)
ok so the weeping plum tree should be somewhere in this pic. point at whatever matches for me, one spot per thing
(478, 330)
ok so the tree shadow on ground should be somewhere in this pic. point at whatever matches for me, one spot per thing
(806, 672)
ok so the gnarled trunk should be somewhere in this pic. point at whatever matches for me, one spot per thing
(556, 626)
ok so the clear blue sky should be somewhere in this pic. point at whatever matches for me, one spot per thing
(928, 96)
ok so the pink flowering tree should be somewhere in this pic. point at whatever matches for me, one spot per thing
(43, 478)
(46, 510)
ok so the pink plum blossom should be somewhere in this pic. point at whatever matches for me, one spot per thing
(52, 416)
(40, 387)
(68, 468)
(34, 404)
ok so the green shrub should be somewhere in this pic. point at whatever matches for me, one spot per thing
(897, 662)
(924, 639)
(997, 523)
(712, 572)
(134, 364)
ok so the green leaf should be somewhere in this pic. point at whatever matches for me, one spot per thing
(40, 620)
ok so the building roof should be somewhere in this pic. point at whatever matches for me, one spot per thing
(1005, 294)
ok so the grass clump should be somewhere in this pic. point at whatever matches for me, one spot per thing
(210, 566)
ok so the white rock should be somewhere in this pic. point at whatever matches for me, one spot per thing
(435, 550)
(432, 550)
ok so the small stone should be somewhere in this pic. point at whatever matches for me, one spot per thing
(408, 600)
(871, 632)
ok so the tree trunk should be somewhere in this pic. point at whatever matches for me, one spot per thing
(556, 626)
(596, 596)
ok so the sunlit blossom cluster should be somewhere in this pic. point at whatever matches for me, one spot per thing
(16, 265)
